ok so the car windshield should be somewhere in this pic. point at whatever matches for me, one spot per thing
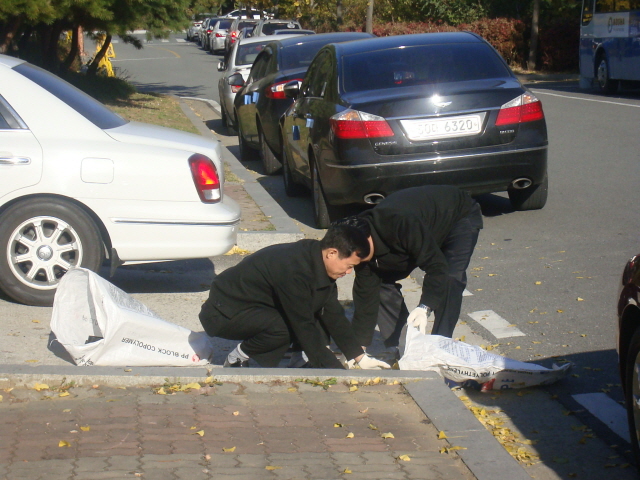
(420, 65)
(247, 54)
(269, 28)
(299, 55)
(85, 105)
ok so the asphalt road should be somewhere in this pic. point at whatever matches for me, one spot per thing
(554, 273)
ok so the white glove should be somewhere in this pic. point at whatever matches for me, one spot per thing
(367, 362)
(422, 318)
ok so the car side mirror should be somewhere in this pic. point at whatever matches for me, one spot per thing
(292, 89)
(236, 80)
(222, 66)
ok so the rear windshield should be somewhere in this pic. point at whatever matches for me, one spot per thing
(85, 105)
(269, 28)
(299, 55)
(421, 65)
(246, 23)
(247, 54)
(224, 24)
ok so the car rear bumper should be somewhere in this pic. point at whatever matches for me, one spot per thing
(477, 173)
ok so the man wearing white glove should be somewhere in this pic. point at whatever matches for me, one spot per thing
(422, 318)
(434, 228)
(367, 362)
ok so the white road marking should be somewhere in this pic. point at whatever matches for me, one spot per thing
(181, 40)
(607, 410)
(497, 325)
(467, 293)
(538, 92)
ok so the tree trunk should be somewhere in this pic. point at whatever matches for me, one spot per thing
(369, 27)
(93, 68)
(339, 13)
(8, 33)
(533, 46)
(74, 51)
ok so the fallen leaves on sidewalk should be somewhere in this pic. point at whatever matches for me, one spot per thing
(387, 435)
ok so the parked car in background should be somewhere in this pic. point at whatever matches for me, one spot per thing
(252, 13)
(235, 72)
(205, 32)
(193, 33)
(233, 31)
(261, 101)
(78, 183)
(628, 347)
(267, 26)
(383, 114)
(293, 31)
(218, 34)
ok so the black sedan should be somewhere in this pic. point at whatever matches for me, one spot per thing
(261, 101)
(383, 114)
(628, 346)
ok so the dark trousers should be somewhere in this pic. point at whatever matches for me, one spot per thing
(264, 333)
(457, 248)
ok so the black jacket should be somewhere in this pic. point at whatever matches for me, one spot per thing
(407, 229)
(292, 279)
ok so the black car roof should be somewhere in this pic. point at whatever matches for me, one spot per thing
(394, 41)
(324, 37)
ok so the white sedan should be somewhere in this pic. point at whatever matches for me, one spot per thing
(79, 184)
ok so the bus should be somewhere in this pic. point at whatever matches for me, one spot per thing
(609, 43)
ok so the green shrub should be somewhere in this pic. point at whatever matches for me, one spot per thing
(102, 88)
(558, 45)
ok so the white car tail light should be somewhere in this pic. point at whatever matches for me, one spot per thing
(352, 124)
(525, 108)
(205, 177)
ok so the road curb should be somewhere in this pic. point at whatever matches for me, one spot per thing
(285, 229)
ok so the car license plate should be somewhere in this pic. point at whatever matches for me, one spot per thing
(442, 127)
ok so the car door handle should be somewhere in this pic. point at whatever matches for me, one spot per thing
(15, 161)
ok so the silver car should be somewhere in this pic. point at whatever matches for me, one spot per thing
(219, 34)
(236, 71)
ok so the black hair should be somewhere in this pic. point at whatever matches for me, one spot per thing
(355, 221)
(347, 239)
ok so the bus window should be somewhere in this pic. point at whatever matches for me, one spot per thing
(587, 12)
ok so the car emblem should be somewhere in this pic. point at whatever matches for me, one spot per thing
(437, 101)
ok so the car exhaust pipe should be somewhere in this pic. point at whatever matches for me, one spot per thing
(373, 198)
(521, 183)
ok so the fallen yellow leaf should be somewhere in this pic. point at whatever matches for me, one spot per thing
(66, 410)
(372, 426)
(346, 470)
(208, 380)
(350, 435)
(63, 443)
(292, 389)
(85, 429)
(580, 299)
(64, 394)
(353, 388)
(538, 283)
(442, 435)
(387, 435)
(40, 386)
(271, 467)
(354, 382)
(229, 450)
(35, 321)
(128, 369)
(404, 458)
(338, 425)
(161, 391)
(201, 433)
(235, 414)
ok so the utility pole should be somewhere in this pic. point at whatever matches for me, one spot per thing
(369, 27)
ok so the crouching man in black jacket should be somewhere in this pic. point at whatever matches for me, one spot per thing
(434, 228)
(286, 294)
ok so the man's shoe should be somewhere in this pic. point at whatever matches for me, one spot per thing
(237, 364)
(298, 360)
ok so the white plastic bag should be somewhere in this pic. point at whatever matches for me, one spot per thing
(461, 362)
(99, 324)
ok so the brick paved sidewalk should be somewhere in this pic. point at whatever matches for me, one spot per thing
(280, 430)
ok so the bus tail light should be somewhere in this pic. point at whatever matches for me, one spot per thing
(522, 109)
(205, 177)
(352, 124)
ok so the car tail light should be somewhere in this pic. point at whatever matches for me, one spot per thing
(352, 124)
(276, 91)
(522, 109)
(205, 177)
(220, 34)
(234, 34)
